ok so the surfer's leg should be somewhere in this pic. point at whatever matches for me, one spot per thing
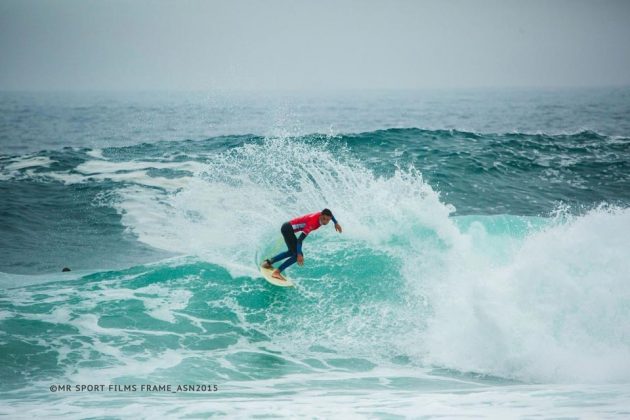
(289, 237)
(291, 241)
(280, 256)
(288, 263)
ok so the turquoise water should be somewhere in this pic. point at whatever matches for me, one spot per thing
(482, 271)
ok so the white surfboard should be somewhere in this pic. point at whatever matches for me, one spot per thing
(266, 272)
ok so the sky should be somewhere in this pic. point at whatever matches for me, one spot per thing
(312, 45)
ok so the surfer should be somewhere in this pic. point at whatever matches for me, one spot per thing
(306, 223)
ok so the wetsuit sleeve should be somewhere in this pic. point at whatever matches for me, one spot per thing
(299, 243)
(334, 220)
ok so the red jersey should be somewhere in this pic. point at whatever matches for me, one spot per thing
(306, 223)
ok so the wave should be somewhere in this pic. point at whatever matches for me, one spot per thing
(409, 282)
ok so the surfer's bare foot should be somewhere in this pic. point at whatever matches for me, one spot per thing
(266, 264)
(276, 275)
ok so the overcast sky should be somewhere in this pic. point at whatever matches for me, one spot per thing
(173, 45)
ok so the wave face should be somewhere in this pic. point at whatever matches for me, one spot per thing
(467, 260)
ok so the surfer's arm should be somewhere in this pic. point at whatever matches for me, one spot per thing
(299, 243)
(337, 225)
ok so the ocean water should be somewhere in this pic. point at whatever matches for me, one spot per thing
(483, 270)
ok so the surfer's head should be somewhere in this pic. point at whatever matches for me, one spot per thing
(325, 217)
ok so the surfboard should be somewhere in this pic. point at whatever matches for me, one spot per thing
(266, 272)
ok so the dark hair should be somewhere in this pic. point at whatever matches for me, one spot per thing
(327, 212)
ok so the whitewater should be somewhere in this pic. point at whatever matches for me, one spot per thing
(484, 267)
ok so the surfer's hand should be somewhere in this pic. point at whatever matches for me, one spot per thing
(338, 227)
(300, 259)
